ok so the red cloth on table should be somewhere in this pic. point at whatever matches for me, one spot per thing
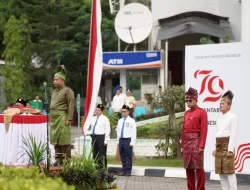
(26, 119)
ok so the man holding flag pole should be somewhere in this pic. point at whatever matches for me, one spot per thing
(94, 65)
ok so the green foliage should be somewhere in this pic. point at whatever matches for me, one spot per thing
(172, 136)
(83, 174)
(113, 119)
(29, 178)
(106, 180)
(17, 58)
(207, 40)
(143, 131)
(150, 116)
(35, 151)
(59, 34)
(172, 99)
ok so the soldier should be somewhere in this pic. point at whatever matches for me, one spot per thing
(61, 113)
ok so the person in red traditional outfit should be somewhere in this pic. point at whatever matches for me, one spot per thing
(193, 140)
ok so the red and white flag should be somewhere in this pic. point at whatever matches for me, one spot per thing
(95, 64)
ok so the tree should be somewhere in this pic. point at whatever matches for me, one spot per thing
(59, 34)
(17, 59)
(207, 40)
(172, 99)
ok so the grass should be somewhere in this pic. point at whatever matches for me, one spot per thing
(151, 161)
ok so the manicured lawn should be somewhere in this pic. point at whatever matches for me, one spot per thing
(158, 162)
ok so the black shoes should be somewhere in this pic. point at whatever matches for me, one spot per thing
(125, 174)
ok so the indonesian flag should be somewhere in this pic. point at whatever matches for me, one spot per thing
(95, 64)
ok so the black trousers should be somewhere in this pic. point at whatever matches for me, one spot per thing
(126, 153)
(131, 112)
(62, 153)
(99, 150)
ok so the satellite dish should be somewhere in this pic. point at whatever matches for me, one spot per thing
(133, 23)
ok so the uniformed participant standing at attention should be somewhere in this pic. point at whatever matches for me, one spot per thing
(100, 134)
(193, 141)
(227, 127)
(61, 116)
(130, 102)
(126, 136)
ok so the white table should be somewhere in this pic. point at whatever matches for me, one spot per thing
(11, 142)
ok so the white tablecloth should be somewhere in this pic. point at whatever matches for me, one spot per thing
(11, 142)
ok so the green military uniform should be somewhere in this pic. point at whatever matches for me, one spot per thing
(61, 110)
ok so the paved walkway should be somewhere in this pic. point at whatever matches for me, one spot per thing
(158, 183)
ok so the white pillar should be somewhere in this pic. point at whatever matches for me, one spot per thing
(166, 64)
(123, 80)
(162, 73)
(245, 20)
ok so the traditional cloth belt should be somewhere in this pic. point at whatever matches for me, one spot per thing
(57, 112)
(224, 163)
(193, 159)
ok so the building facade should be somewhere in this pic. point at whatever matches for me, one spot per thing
(178, 23)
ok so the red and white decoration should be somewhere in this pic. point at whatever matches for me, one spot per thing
(212, 70)
(11, 143)
(95, 64)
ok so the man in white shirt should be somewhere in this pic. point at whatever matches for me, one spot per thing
(227, 127)
(126, 137)
(118, 102)
(100, 134)
(121, 90)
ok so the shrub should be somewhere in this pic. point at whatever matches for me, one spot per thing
(29, 178)
(84, 175)
(81, 173)
(150, 116)
(143, 131)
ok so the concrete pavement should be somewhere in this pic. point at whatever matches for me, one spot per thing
(159, 183)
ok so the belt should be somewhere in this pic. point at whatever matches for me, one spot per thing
(126, 138)
(97, 135)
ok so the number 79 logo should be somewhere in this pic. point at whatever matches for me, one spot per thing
(208, 82)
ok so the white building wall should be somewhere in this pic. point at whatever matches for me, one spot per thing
(227, 8)
(232, 9)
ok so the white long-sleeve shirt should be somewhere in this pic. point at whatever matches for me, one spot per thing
(129, 129)
(102, 127)
(118, 102)
(227, 126)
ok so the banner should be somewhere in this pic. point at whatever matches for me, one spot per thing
(212, 70)
(120, 60)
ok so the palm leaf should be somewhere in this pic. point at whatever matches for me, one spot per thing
(35, 151)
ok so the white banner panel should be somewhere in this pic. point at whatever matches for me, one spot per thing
(212, 70)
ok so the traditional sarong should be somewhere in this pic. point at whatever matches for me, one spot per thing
(59, 133)
(192, 158)
(224, 164)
